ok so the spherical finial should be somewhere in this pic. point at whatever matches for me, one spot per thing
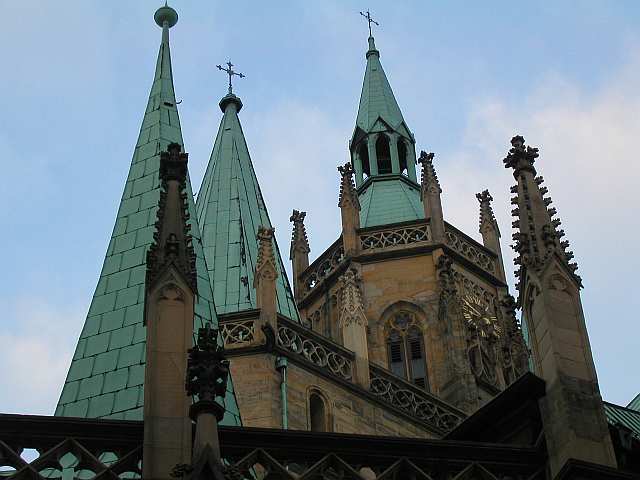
(166, 14)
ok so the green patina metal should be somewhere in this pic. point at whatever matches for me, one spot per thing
(635, 403)
(106, 376)
(384, 198)
(377, 101)
(230, 208)
(624, 416)
(389, 199)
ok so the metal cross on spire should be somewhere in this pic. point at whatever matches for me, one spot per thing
(231, 72)
(370, 20)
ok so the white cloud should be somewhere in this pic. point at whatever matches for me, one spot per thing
(590, 166)
(36, 353)
(295, 154)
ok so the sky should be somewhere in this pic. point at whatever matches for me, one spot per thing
(467, 75)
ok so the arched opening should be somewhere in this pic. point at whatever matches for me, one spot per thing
(405, 349)
(402, 155)
(383, 153)
(363, 154)
(317, 413)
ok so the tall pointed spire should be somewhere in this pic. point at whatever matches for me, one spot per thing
(538, 237)
(108, 368)
(382, 151)
(230, 210)
(549, 295)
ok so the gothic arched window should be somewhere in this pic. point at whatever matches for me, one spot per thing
(402, 155)
(405, 349)
(363, 154)
(318, 417)
(383, 153)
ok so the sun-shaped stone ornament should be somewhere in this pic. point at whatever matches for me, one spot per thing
(477, 315)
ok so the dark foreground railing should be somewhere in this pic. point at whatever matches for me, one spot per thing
(101, 449)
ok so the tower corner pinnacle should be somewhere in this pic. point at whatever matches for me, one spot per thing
(173, 244)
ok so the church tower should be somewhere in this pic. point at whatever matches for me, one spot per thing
(413, 297)
(107, 374)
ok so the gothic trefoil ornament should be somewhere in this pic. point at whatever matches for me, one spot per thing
(538, 238)
(173, 244)
(351, 305)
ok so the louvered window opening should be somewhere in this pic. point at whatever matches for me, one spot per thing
(405, 350)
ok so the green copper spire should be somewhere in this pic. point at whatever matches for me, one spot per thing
(377, 101)
(383, 151)
(107, 371)
(230, 210)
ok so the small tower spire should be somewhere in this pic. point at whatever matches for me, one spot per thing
(349, 208)
(430, 192)
(382, 147)
(230, 209)
(489, 228)
(299, 251)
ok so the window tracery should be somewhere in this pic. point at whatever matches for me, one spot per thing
(405, 349)
(383, 154)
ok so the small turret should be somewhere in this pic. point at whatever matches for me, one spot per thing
(381, 143)
(349, 209)
(299, 251)
(489, 229)
(430, 192)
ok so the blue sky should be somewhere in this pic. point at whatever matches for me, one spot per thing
(467, 75)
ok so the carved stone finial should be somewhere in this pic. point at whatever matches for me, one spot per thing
(299, 240)
(520, 157)
(266, 263)
(429, 179)
(207, 373)
(348, 193)
(487, 217)
(351, 305)
(172, 243)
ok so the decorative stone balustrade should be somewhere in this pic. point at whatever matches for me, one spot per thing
(315, 349)
(394, 237)
(413, 400)
(323, 266)
(464, 246)
(238, 333)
